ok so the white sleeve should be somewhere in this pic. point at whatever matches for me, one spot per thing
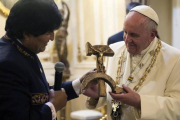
(76, 85)
(166, 107)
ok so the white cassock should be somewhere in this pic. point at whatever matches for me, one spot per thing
(160, 92)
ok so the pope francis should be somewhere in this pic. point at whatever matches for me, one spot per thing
(146, 68)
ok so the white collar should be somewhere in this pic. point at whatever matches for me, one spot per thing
(143, 52)
(19, 41)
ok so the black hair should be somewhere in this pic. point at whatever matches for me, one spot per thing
(131, 5)
(34, 17)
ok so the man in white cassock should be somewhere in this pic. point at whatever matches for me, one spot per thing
(146, 68)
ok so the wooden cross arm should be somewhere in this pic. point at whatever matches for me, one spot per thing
(96, 49)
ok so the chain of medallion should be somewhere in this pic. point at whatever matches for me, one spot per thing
(147, 71)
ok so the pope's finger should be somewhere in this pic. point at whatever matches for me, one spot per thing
(126, 88)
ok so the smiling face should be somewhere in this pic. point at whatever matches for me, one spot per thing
(37, 44)
(137, 37)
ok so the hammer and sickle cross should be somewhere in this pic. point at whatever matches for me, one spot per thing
(100, 76)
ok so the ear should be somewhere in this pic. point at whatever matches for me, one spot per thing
(26, 36)
(153, 35)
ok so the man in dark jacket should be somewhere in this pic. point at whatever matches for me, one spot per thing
(24, 90)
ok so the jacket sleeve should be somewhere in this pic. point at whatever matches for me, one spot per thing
(69, 90)
(15, 97)
(165, 107)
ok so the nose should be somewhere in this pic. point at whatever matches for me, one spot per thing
(52, 36)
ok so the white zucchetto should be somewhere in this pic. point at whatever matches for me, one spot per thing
(147, 11)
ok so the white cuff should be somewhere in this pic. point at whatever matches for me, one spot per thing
(76, 85)
(52, 110)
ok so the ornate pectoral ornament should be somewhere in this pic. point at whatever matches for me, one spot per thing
(116, 110)
(116, 105)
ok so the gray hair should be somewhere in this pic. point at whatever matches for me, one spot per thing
(150, 24)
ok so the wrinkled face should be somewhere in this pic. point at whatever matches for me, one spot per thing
(37, 44)
(136, 36)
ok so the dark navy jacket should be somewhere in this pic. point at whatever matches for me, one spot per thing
(23, 85)
(116, 38)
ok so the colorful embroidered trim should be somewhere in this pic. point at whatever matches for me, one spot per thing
(39, 98)
(24, 52)
(19, 48)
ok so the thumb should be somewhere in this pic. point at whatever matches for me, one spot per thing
(126, 88)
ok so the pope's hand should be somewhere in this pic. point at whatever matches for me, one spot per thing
(129, 97)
